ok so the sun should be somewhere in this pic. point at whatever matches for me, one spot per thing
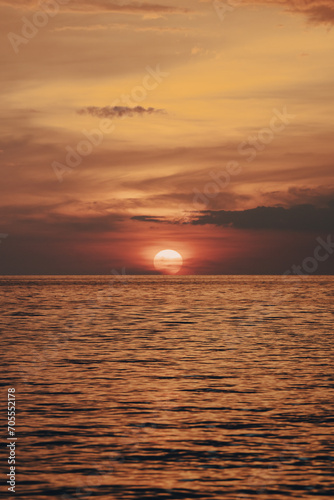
(168, 261)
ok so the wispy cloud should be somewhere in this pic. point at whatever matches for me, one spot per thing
(121, 26)
(118, 111)
(317, 11)
(102, 6)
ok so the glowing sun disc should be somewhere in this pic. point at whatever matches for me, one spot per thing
(168, 261)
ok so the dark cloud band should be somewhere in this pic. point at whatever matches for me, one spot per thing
(317, 11)
(297, 218)
(118, 111)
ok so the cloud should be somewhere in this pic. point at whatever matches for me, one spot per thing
(320, 197)
(27, 219)
(296, 218)
(317, 11)
(88, 6)
(118, 111)
(148, 218)
(306, 218)
(121, 26)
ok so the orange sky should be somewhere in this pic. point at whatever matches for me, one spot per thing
(130, 127)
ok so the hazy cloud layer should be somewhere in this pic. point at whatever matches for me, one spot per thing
(100, 6)
(122, 26)
(117, 111)
(317, 11)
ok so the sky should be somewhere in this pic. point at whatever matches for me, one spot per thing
(205, 127)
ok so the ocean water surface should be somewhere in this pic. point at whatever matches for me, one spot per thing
(155, 387)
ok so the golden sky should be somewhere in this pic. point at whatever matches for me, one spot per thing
(130, 127)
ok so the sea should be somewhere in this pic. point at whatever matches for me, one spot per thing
(169, 387)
